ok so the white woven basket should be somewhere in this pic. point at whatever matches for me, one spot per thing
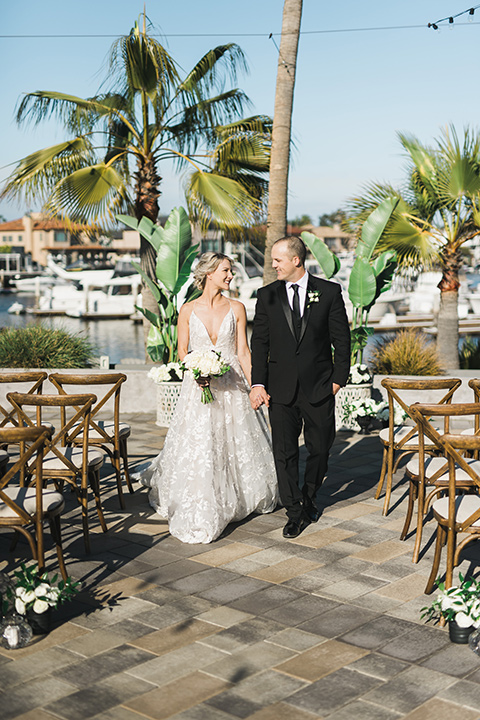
(167, 396)
(345, 395)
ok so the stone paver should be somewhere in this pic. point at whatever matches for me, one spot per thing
(252, 626)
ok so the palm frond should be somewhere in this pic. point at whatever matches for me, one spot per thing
(87, 194)
(37, 174)
(222, 200)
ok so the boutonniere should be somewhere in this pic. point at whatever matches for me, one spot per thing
(313, 296)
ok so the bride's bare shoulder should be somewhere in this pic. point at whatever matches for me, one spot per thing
(238, 308)
(186, 310)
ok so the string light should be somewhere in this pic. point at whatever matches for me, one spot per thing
(451, 18)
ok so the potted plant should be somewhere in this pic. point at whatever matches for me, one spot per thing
(174, 258)
(33, 596)
(363, 411)
(358, 387)
(459, 605)
(168, 379)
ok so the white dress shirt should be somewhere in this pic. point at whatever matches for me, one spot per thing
(302, 292)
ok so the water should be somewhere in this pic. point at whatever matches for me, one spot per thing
(119, 339)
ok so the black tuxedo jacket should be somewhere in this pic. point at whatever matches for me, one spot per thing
(279, 361)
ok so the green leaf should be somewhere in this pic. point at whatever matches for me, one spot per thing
(154, 289)
(381, 261)
(363, 285)
(374, 226)
(177, 238)
(325, 258)
(186, 269)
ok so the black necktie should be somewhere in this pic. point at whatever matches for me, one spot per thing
(297, 318)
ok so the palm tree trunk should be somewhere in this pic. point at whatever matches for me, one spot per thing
(146, 205)
(281, 130)
(447, 322)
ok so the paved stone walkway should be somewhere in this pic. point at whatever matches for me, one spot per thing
(252, 626)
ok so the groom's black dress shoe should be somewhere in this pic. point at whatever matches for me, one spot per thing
(311, 510)
(293, 529)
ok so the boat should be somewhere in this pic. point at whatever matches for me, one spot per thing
(16, 308)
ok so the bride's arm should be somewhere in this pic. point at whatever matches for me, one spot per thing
(183, 331)
(243, 351)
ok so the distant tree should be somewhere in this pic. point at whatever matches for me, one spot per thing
(301, 220)
(333, 218)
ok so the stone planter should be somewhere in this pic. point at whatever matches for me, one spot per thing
(167, 396)
(347, 395)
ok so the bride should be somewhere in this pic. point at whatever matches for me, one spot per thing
(216, 465)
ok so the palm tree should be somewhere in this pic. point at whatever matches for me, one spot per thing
(146, 113)
(281, 132)
(439, 211)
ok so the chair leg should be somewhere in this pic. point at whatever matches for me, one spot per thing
(420, 519)
(118, 475)
(408, 516)
(94, 480)
(382, 473)
(388, 489)
(57, 537)
(124, 455)
(83, 498)
(441, 536)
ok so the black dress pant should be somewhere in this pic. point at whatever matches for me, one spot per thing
(318, 421)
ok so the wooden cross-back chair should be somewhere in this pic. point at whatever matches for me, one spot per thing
(428, 474)
(111, 435)
(35, 380)
(401, 440)
(22, 507)
(457, 511)
(78, 466)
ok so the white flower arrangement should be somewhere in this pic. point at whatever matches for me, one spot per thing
(205, 364)
(172, 372)
(460, 603)
(365, 407)
(399, 415)
(38, 592)
(359, 374)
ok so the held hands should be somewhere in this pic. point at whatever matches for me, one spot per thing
(259, 397)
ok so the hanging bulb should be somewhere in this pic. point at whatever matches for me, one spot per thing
(471, 13)
(450, 23)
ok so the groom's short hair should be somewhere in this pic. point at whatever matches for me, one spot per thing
(296, 247)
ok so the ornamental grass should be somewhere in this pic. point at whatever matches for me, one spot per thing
(36, 346)
(408, 352)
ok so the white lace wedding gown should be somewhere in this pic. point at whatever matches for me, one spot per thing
(216, 465)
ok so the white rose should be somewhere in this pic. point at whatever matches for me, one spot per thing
(463, 620)
(28, 596)
(20, 592)
(40, 606)
(20, 606)
(42, 590)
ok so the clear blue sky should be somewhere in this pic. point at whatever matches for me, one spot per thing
(354, 91)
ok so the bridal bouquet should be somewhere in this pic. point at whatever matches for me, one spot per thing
(205, 364)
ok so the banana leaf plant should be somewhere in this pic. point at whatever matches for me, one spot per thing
(371, 275)
(174, 257)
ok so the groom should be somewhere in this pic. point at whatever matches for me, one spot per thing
(298, 319)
